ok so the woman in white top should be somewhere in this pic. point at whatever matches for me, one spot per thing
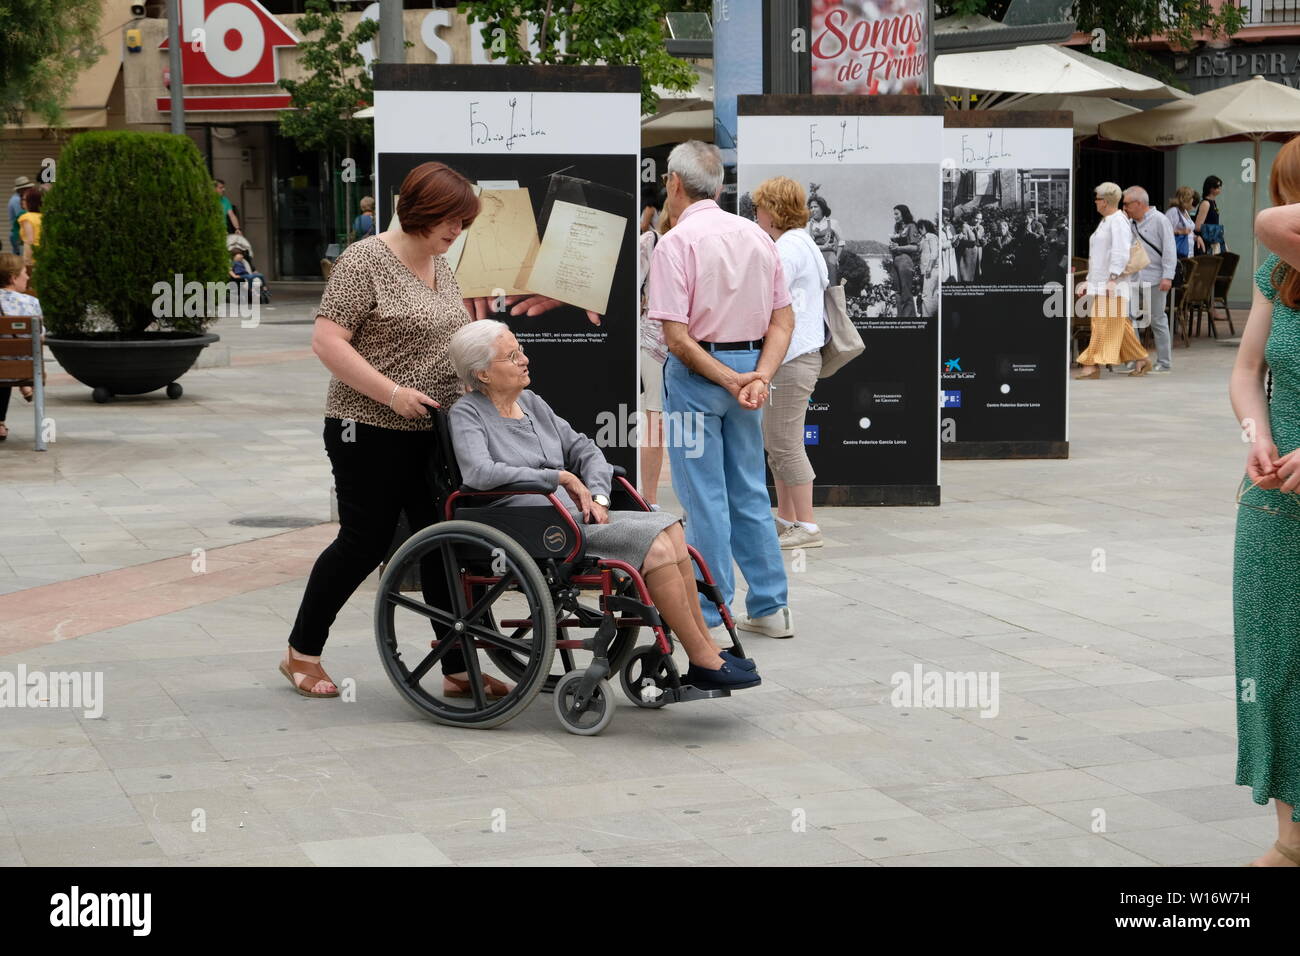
(1180, 217)
(1113, 341)
(782, 212)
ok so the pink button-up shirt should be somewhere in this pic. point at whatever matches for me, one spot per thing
(718, 273)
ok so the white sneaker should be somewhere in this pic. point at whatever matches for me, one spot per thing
(777, 624)
(1160, 370)
(783, 529)
(800, 537)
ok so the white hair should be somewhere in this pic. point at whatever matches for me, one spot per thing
(1138, 193)
(1109, 192)
(699, 166)
(472, 349)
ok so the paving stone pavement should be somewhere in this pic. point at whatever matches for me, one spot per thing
(1097, 590)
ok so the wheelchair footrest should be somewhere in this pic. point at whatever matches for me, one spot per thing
(689, 692)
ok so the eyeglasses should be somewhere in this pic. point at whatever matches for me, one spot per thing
(664, 179)
(516, 357)
(1247, 485)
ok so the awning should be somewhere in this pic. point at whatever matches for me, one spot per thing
(1028, 70)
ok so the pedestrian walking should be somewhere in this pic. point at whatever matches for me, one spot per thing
(383, 329)
(1112, 341)
(717, 284)
(1182, 221)
(1149, 295)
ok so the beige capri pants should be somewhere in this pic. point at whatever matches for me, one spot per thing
(783, 418)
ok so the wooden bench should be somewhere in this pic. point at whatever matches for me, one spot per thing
(20, 356)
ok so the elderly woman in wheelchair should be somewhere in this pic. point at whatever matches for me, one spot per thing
(531, 526)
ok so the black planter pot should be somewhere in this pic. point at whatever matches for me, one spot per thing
(115, 365)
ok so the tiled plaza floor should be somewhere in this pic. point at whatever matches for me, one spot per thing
(1097, 589)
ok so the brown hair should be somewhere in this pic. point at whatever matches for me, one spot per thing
(432, 193)
(11, 267)
(1284, 188)
(784, 199)
(33, 197)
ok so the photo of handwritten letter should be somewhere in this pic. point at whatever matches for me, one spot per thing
(578, 255)
(500, 247)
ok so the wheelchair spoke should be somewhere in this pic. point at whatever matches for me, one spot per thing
(497, 639)
(419, 607)
(475, 674)
(451, 571)
(435, 655)
(494, 592)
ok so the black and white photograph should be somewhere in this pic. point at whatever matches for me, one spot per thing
(1004, 227)
(883, 244)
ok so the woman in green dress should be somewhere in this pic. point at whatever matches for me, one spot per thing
(1266, 598)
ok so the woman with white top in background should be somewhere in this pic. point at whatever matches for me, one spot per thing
(783, 213)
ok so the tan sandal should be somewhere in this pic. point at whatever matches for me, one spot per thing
(312, 670)
(1141, 368)
(495, 689)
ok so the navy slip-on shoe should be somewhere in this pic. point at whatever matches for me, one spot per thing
(726, 677)
(744, 663)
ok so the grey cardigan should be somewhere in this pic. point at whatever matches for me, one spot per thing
(493, 450)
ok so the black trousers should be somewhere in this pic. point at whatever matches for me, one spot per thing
(4, 402)
(379, 474)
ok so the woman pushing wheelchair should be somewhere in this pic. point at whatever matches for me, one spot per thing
(505, 434)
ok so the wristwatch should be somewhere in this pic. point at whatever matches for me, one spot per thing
(601, 500)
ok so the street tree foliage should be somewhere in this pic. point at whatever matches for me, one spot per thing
(1124, 23)
(336, 82)
(44, 45)
(612, 32)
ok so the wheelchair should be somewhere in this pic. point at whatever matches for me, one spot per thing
(516, 578)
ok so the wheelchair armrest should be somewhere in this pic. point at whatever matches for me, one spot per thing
(519, 488)
(619, 471)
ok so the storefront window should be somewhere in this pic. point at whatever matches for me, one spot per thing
(311, 203)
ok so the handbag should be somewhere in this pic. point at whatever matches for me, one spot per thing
(843, 343)
(1137, 256)
(1212, 232)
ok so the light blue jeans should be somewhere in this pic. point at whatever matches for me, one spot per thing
(723, 487)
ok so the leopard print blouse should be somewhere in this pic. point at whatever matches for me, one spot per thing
(398, 324)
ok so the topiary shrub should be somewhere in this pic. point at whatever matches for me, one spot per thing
(127, 210)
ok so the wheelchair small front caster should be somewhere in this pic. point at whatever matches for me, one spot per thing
(174, 390)
(101, 395)
(598, 712)
(647, 677)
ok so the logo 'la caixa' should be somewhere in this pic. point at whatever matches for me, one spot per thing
(229, 43)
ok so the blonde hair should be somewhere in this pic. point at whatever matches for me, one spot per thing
(1184, 198)
(1109, 192)
(784, 200)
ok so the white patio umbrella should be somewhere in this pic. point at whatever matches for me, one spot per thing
(1006, 76)
(1089, 111)
(1253, 110)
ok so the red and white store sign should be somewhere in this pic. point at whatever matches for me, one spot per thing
(230, 43)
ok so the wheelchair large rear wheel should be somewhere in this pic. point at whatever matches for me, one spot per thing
(404, 624)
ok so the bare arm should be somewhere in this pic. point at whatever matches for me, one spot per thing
(333, 346)
(1202, 211)
(1278, 228)
(1246, 392)
(776, 343)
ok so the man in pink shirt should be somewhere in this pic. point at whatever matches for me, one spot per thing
(716, 285)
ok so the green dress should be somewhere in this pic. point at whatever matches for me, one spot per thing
(1266, 589)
